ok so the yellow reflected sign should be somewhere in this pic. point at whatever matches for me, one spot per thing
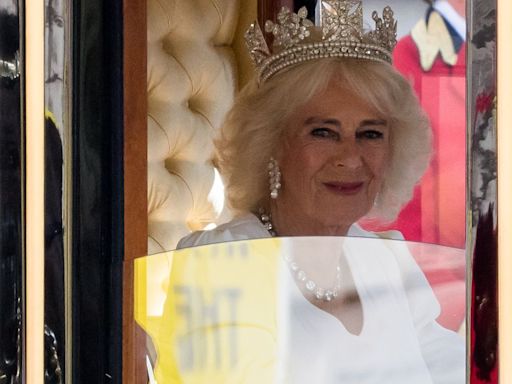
(211, 312)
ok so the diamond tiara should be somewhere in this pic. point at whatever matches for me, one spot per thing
(341, 34)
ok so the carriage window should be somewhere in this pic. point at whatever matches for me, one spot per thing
(199, 181)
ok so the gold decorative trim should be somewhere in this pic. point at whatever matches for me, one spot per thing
(504, 117)
(35, 161)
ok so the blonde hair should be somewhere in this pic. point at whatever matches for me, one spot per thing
(253, 129)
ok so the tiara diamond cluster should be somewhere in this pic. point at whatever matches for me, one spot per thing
(341, 34)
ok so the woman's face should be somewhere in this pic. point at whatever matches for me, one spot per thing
(335, 153)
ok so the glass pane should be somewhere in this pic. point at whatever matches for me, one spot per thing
(303, 310)
(186, 189)
(94, 190)
(57, 133)
(11, 225)
(483, 246)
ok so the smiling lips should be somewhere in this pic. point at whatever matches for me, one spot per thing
(344, 188)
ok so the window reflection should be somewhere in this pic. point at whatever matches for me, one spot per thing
(10, 195)
(435, 215)
(56, 131)
(242, 312)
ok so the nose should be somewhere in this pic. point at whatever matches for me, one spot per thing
(349, 156)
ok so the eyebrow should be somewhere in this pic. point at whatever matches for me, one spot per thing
(374, 122)
(320, 120)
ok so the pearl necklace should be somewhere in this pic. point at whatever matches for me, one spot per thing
(300, 275)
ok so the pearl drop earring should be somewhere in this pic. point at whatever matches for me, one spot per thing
(274, 178)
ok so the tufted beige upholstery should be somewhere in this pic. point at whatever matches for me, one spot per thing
(192, 79)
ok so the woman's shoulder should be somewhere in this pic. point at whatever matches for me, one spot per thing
(393, 242)
(422, 301)
(240, 228)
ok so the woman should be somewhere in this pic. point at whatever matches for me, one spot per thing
(311, 146)
(349, 142)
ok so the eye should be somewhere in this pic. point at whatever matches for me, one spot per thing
(325, 133)
(371, 134)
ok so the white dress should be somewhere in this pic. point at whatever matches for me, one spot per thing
(400, 341)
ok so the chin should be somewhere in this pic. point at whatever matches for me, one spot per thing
(347, 215)
(337, 220)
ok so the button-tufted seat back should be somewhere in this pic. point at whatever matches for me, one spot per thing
(192, 78)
